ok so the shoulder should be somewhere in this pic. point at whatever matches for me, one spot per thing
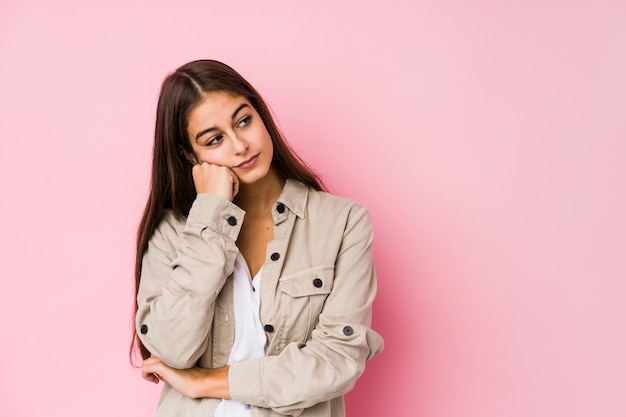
(170, 222)
(328, 203)
(304, 200)
(341, 223)
(167, 233)
(326, 208)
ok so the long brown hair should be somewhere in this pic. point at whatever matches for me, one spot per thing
(171, 185)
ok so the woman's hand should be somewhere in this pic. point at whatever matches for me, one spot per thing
(194, 382)
(215, 179)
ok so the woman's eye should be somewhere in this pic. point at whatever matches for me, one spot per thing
(215, 140)
(245, 121)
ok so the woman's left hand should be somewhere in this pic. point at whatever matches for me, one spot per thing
(194, 382)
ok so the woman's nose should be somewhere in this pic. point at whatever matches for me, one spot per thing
(240, 146)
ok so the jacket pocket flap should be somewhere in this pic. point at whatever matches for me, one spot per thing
(310, 282)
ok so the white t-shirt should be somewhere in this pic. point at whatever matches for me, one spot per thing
(250, 339)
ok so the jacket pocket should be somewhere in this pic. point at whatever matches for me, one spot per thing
(302, 301)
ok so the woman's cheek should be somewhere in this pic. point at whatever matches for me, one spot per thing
(212, 157)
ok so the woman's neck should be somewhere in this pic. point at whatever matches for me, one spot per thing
(257, 199)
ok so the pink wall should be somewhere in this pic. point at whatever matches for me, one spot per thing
(488, 140)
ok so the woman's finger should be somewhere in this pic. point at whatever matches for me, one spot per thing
(151, 378)
(235, 184)
(149, 369)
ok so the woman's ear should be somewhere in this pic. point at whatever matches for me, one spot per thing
(189, 156)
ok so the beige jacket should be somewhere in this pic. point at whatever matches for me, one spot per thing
(317, 289)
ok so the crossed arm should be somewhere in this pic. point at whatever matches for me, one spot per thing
(194, 382)
(325, 367)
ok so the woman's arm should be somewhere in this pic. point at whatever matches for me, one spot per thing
(302, 375)
(328, 365)
(183, 272)
(195, 382)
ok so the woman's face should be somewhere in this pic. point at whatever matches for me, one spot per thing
(225, 129)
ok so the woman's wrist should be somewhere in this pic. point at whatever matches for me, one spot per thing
(215, 383)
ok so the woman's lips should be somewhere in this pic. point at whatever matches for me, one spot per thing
(248, 163)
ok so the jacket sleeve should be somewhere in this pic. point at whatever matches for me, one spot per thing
(183, 271)
(328, 365)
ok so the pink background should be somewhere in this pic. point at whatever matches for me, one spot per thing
(487, 138)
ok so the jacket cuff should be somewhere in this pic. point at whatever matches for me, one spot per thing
(216, 213)
(244, 383)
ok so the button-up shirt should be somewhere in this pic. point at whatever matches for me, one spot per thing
(317, 288)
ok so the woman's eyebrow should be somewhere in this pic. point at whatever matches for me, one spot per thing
(202, 132)
(238, 109)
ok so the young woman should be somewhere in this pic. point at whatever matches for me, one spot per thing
(254, 286)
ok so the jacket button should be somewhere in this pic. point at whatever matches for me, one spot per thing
(275, 256)
(280, 208)
(144, 329)
(232, 221)
(268, 328)
(318, 283)
(348, 331)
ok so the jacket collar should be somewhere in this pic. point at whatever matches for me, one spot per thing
(294, 196)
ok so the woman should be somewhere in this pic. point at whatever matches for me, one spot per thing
(254, 286)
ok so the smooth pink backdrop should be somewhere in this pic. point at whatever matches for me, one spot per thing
(487, 138)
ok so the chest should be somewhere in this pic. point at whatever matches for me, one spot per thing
(252, 242)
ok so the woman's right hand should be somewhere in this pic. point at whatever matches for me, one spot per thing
(215, 179)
